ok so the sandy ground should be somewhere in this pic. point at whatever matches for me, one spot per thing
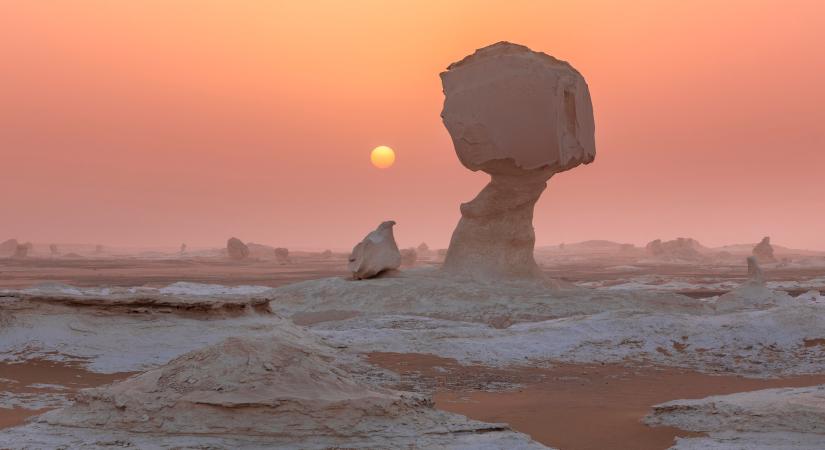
(42, 376)
(570, 406)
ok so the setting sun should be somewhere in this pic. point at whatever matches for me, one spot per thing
(382, 157)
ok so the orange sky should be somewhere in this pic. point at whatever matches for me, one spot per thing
(158, 122)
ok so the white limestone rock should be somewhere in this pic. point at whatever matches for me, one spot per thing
(797, 410)
(377, 253)
(521, 116)
(286, 390)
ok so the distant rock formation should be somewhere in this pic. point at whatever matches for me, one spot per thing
(679, 249)
(326, 254)
(755, 274)
(22, 250)
(409, 256)
(8, 248)
(53, 249)
(98, 249)
(236, 249)
(423, 249)
(282, 255)
(763, 251)
(520, 116)
(377, 253)
(182, 249)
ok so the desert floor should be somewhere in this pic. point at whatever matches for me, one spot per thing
(562, 404)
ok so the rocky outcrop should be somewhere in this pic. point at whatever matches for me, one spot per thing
(520, 116)
(236, 249)
(53, 249)
(423, 249)
(800, 410)
(377, 253)
(763, 251)
(679, 249)
(755, 274)
(286, 389)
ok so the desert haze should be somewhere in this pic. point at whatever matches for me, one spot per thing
(251, 225)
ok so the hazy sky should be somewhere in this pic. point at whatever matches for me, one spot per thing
(160, 122)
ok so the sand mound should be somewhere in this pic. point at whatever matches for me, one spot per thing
(285, 387)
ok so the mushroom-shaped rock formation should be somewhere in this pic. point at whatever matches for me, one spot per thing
(8, 247)
(236, 249)
(377, 253)
(763, 251)
(520, 116)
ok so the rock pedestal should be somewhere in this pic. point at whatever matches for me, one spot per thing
(520, 116)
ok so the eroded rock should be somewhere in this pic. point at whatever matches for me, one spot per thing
(377, 253)
(679, 249)
(520, 116)
(236, 249)
(763, 251)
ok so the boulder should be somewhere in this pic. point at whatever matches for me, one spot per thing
(377, 253)
(763, 251)
(520, 116)
(236, 249)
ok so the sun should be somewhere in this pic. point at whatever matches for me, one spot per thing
(382, 157)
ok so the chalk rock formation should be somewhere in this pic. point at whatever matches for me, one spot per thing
(182, 249)
(282, 255)
(763, 251)
(753, 293)
(377, 253)
(98, 249)
(520, 116)
(679, 249)
(8, 247)
(285, 388)
(409, 256)
(423, 249)
(22, 250)
(326, 254)
(785, 409)
(53, 249)
(236, 249)
(755, 274)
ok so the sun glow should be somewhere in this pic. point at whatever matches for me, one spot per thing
(382, 157)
